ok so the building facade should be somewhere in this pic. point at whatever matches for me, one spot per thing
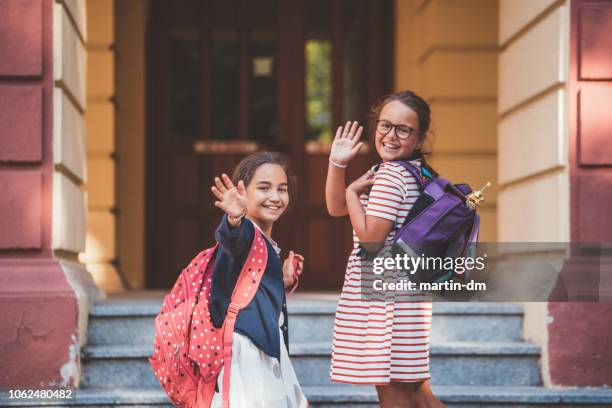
(115, 116)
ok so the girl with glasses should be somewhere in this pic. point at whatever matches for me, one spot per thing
(378, 339)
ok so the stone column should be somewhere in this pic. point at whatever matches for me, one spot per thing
(579, 333)
(44, 291)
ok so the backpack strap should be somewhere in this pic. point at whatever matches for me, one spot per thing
(436, 186)
(475, 230)
(244, 291)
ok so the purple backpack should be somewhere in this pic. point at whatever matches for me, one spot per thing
(440, 224)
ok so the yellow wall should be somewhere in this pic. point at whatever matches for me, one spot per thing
(101, 254)
(533, 121)
(115, 144)
(446, 50)
(69, 105)
(130, 90)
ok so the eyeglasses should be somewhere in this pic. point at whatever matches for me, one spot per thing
(401, 131)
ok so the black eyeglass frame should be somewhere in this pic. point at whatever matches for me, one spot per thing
(395, 127)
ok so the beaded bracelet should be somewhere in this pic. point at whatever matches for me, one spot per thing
(235, 220)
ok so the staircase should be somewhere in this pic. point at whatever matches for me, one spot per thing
(478, 358)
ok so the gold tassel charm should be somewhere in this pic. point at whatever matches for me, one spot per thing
(475, 198)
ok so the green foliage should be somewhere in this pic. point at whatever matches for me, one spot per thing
(318, 90)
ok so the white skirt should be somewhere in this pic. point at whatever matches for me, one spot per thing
(258, 380)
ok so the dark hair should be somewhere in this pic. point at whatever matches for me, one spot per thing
(246, 169)
(420, 107)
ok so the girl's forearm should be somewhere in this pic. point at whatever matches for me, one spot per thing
(370, 236)
(335, 187)
(356, 214)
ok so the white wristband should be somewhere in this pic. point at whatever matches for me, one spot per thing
(342, 166)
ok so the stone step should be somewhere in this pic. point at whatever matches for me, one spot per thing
(459, 363)
(349, 396)
(130, 321)
(314, 321)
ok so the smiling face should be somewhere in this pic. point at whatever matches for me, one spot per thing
(268, 194)
(389, 146)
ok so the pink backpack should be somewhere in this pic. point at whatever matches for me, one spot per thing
(188, 351)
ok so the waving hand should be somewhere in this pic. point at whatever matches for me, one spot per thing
(232, 199)
(346, 144)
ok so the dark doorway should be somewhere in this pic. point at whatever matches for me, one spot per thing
(226, 78)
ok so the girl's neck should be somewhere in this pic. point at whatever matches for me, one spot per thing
(268, 234)
(265, 227)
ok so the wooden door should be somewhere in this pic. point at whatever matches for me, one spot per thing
(232, 77)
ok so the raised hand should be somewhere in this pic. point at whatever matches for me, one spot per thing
(346, 143)
(232, 199)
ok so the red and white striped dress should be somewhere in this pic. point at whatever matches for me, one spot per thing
(376, 342)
